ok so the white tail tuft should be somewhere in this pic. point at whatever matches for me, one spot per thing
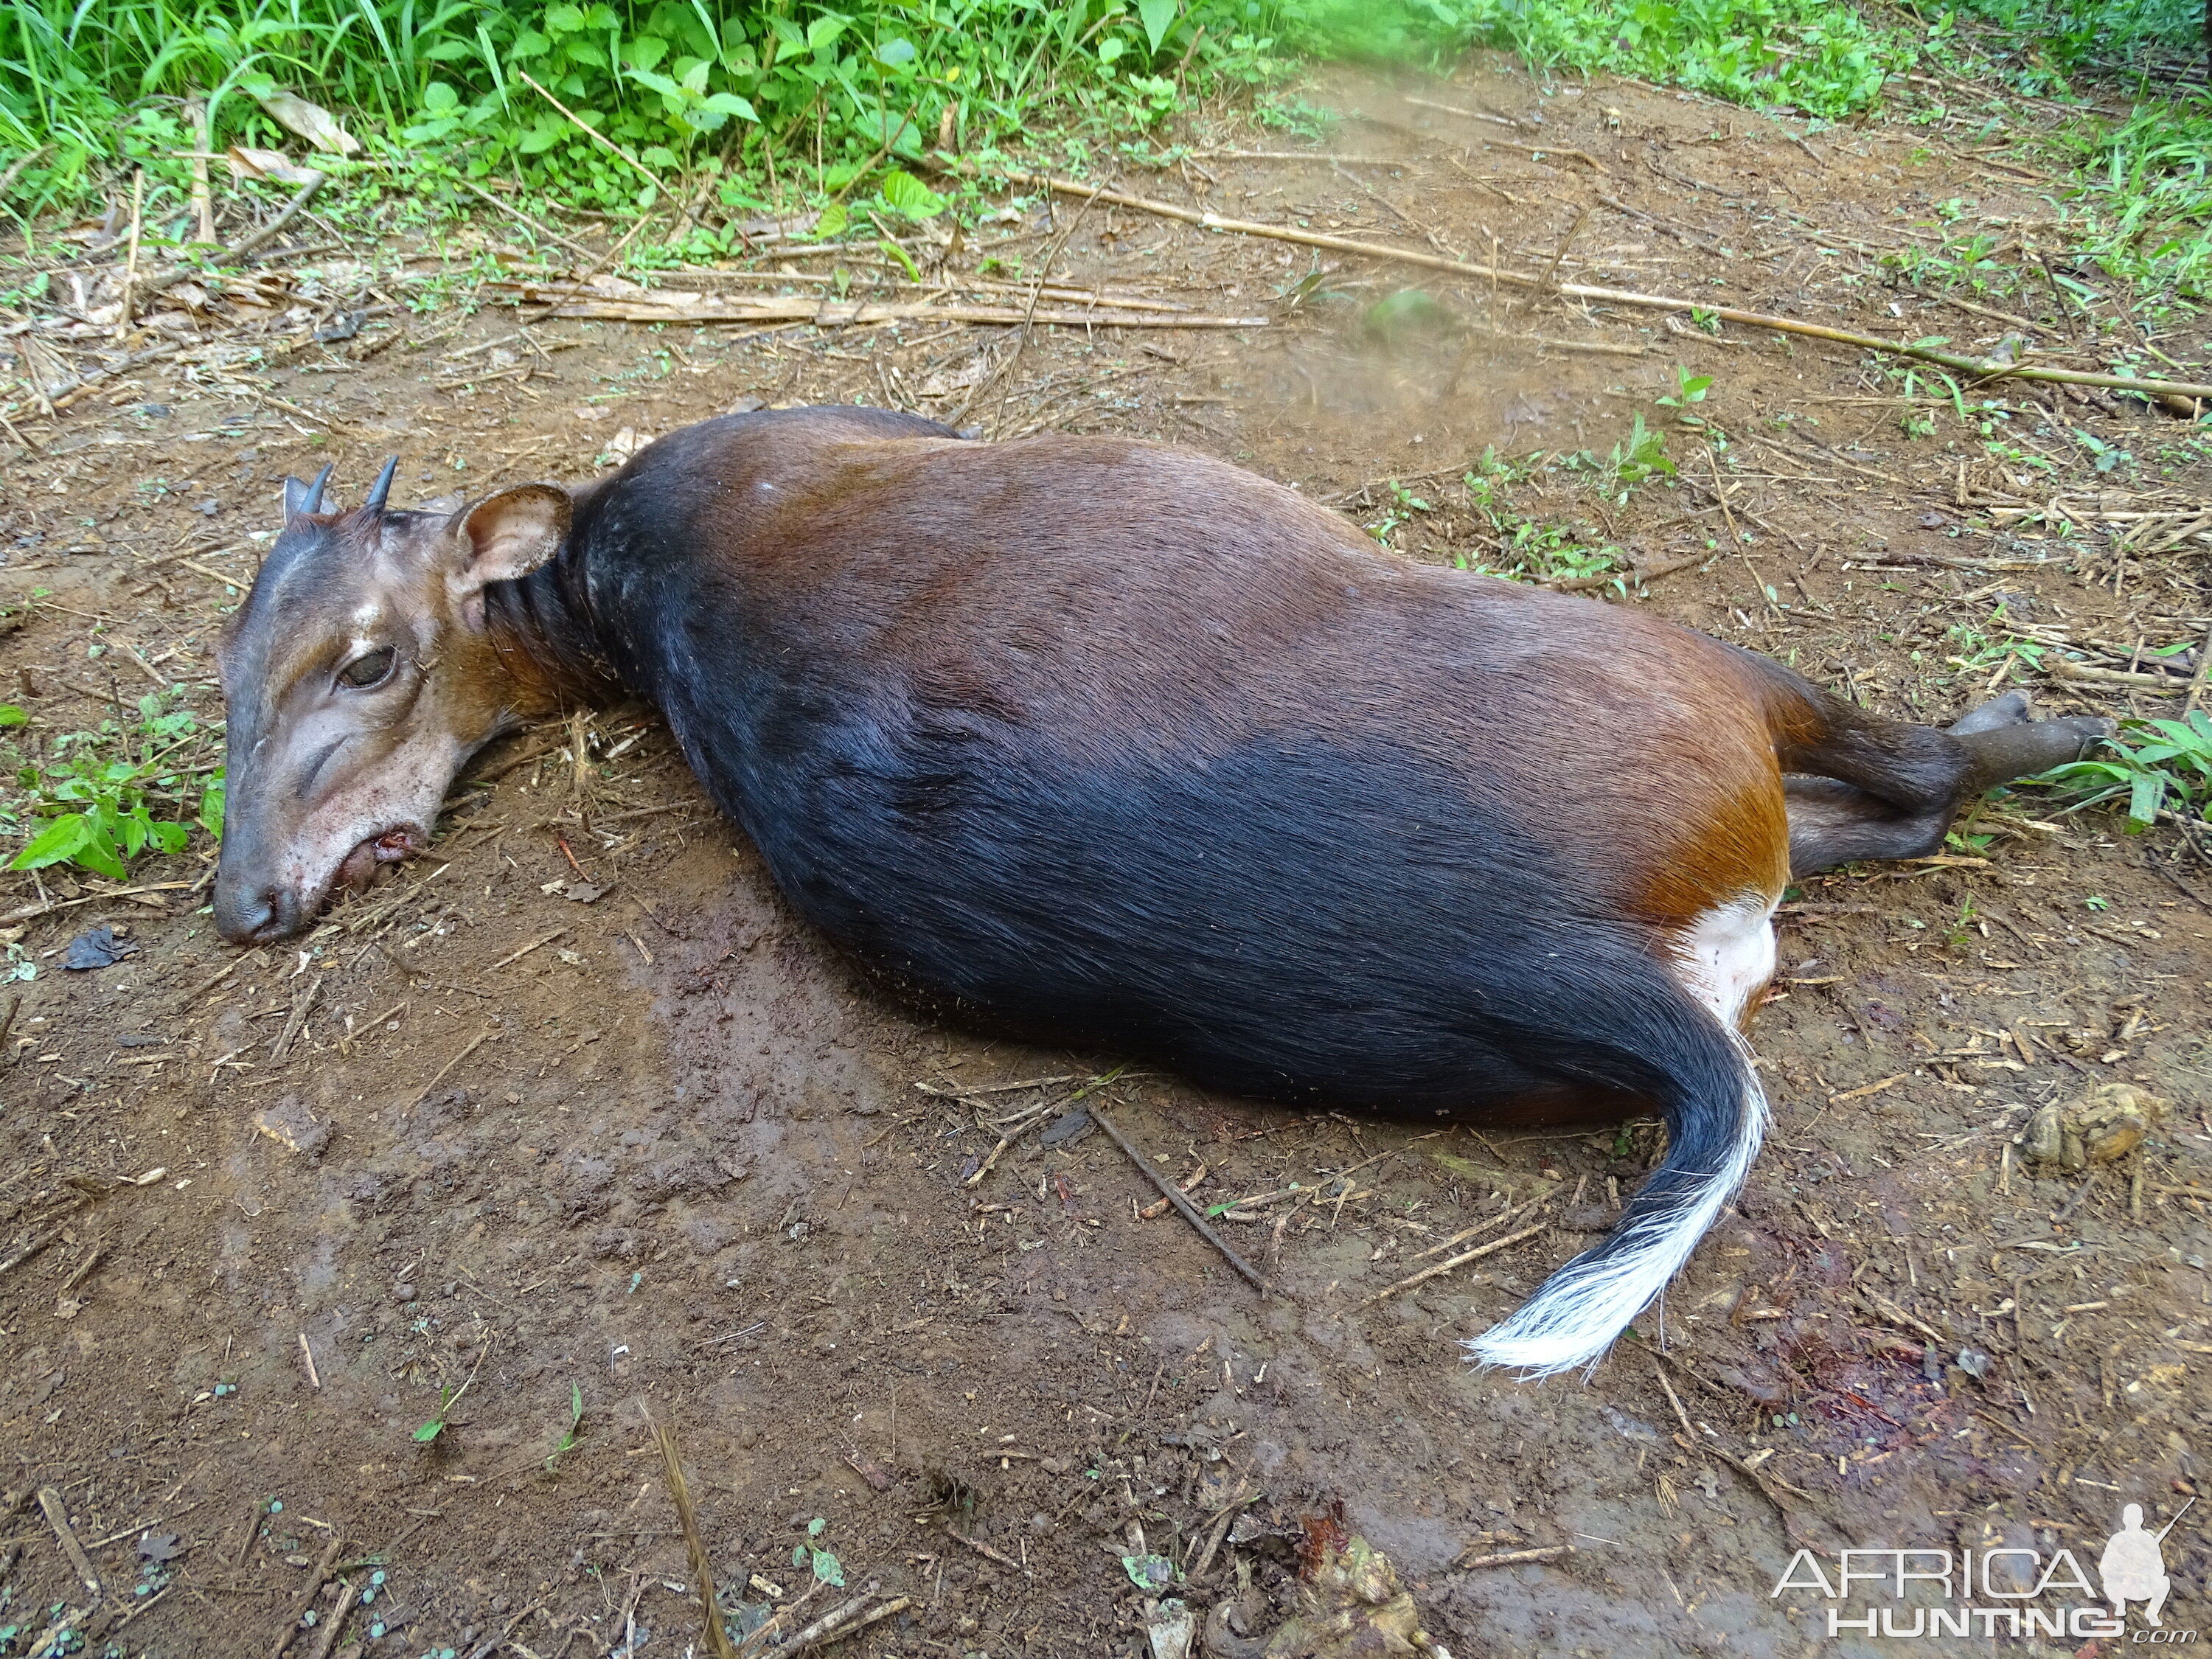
(1577, 1314)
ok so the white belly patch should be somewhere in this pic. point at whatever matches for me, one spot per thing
(1727, 954)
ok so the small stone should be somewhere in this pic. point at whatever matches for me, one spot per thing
(291, 1126)
(405, 1292)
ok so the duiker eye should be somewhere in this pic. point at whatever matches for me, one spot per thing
(374, 669)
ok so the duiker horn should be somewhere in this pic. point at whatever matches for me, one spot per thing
(305, 497)
(382, 488)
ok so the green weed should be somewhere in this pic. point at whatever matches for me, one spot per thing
(743, 99)
(1689, 389)
(2167, 767)
(811, 1555)
(1828, 60)
(1528, 551)
(1404, 505)
(574, 1432)
(1981, 652)
(1639, 457)
(99, 800)
(448, 1397)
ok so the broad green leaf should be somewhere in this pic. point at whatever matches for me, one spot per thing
(564, 19)
(58, 841)
(832, 222)
(910, 197)
(1157, 16)
(893, 252)
(439, 99)
(11, 715)
(728, 103)
(823, 30)
(2144, 797)
(895, 52)
(645, 51)
(98, 854)
(429, 1430)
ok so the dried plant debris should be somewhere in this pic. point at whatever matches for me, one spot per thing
(2105, 1124)
(1348, 1601)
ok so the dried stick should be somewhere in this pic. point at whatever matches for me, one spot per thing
(518, 215)
(513, 957)
(1174, 1195)
(423, 1093)
(1452, 1262)
(833, 1626)
(848, 313)
(702, 1573)
(331, 1626)
(131, 262)
(1979, 368)
(306, 1599)
(1498, 1220)
(236, 251)
(593, 133)
(49, 1500)
(1516, 1558)
(2196, 681)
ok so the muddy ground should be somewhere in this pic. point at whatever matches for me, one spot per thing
(662, 1148)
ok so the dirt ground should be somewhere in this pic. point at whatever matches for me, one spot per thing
(660, 1147)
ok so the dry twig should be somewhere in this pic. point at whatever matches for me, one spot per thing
(1189, 1211)
(1979, 369)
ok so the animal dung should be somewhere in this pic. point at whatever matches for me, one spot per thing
(2107, 1123)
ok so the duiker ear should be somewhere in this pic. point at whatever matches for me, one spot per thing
(509, 535)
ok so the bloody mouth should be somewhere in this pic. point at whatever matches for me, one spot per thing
(362, 865)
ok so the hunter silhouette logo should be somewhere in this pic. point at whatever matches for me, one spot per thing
(2133, 1566)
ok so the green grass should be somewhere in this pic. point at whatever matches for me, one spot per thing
(754, 99)
(750, 108)
(2155, 766)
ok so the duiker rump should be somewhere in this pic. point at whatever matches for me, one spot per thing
(1120, 743)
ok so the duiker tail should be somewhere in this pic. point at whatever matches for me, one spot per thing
(1716, 1118)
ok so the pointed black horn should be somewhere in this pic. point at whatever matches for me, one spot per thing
(382, 488)
(305, 497)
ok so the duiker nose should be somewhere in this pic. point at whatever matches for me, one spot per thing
(245, 915)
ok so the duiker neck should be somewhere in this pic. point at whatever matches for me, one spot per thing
(541, 630)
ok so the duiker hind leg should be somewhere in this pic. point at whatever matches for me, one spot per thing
(1871, 788)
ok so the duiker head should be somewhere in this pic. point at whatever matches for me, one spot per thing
(358, 675)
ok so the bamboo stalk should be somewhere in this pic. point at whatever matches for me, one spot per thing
(1979, 369)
